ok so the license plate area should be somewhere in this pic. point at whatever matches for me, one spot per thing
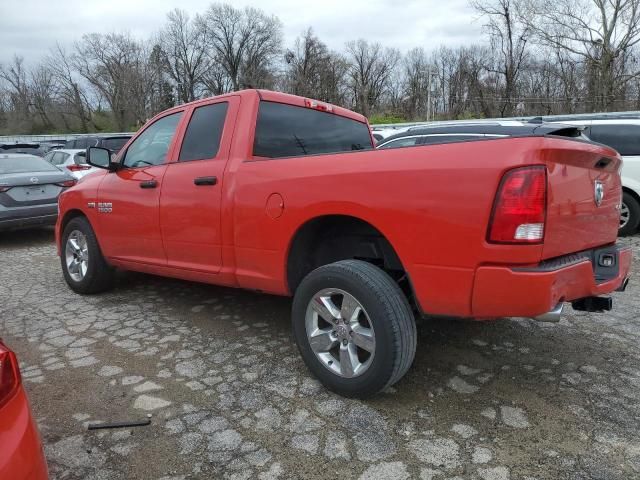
(37, 190)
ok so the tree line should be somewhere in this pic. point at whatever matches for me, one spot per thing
(535, 57)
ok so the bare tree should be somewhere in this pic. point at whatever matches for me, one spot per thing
(14, 76)
(417, 82)
(601, 33)
(70, 93)
(509, 36)
(216, 81)
(244, 42)
(314, 71)
(112, 64)
(42, 90)
(184, 54)
(305, 63)
(370, 72)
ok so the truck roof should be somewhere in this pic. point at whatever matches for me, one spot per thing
(271, 96)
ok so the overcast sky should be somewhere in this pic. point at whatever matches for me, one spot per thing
(31, 27)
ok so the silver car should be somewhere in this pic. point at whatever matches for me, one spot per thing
(75, 161)
(29, 190)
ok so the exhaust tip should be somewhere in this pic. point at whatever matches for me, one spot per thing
(552, 315)
(623, 286)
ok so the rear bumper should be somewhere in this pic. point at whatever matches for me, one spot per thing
(511, 292)
(42, 218)
(21, 454)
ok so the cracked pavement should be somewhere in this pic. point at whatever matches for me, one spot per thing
(229, 396)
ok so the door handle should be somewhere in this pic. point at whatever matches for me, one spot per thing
(205, 181)
(148, 184)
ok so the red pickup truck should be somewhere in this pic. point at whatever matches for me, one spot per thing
(286, 195)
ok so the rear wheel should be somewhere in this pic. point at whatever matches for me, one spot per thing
(85, 269)
(354, 328)
(629, 215)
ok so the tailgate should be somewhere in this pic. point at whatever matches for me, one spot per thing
(583, 199)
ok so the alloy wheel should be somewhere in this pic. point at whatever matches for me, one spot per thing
(77, 255)
(340, 332)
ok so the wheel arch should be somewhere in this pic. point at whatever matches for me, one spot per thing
(329, 238)
(70, 215)
(67, 217)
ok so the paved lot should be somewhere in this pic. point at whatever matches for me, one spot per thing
(230, 397)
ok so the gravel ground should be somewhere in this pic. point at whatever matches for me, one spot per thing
(230, 398)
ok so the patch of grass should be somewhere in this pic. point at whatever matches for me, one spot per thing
(383, 118)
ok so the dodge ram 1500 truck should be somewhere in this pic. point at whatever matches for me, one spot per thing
(286, 195)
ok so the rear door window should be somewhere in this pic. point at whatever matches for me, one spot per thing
(288, 131)
(59, 158)
(80, 158)
(624, 138)
(202, 138)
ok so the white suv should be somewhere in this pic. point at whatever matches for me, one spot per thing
(624, 135)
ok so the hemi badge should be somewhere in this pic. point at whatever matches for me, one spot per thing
(91, 205)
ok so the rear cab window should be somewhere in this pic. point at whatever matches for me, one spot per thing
(284, 130)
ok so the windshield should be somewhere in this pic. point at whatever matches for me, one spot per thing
(26, 164)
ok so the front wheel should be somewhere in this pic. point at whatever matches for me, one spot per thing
(629, 215)
(354, 328)
(85, 269)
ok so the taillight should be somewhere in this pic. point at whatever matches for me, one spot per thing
(316, 105)
(520, 207)
(77, 168)
(4, 189)
(9, 374)
(67, 183)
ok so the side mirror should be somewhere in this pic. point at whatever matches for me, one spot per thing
(101, 158)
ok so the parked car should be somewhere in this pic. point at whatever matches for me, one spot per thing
(476, 130)
(21, 455)
(28, 148)
(111, 142)
(624, 135)
(382, 132)
(29, 189)
(49, 145)
(286, 195)
(75, 161)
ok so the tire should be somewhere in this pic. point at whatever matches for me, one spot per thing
(381, 305)
(99, 275)
(633, 207)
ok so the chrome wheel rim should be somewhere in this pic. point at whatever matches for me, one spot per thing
(340, 332)
(77, 255)
(624, 215)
